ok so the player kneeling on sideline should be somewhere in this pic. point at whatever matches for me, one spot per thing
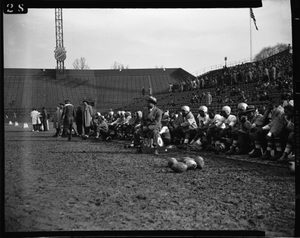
(101, 127)
(150, 124)
(222, 135)
(239, 133)
(188, 126)
(280, 133)
(214, 125)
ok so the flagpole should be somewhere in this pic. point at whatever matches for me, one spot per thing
(250, 41)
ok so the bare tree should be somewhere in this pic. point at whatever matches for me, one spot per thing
(80, 64)
(119, 66)
(269, 51)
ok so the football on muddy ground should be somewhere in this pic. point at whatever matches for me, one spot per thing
(184, 159)
(191, 164)
(171, 161)
(200, 162)
(179, 167)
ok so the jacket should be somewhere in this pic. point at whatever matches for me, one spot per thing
(87, 113)
(189, 121)
(68, 112)
(280, 123)
(152, 119)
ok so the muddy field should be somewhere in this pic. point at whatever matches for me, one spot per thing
(52, 184)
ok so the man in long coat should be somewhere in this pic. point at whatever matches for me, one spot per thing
(68, 116)
(44, 119)
(35, 119)
(150, 124)
(87, 117)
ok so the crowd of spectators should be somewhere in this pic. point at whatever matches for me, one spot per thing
(269, 76)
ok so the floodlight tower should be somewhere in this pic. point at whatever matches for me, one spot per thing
(59, 52)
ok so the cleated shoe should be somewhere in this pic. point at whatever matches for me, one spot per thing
(276, 156)
(241, 152)
(210, 148)
(283, 159)
(231, 151)
(138, 150)
(256, 153)
(266, 155)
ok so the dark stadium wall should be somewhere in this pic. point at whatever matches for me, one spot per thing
(105, 88)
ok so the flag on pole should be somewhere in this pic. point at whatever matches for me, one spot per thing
(253, 17)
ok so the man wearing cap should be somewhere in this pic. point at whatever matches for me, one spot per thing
(150, 124)
(253, 124)
(68, 115)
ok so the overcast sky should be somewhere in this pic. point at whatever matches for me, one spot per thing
(193, 39)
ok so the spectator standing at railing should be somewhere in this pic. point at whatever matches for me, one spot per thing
(250, 75)
(202, 83)
(170, 87)
(208, 98)
(183, 86)
(242, 97)
(266, 74)
(273, 73)
(197, 83)
(87, 117)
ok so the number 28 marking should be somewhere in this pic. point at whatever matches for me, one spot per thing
(12, 8)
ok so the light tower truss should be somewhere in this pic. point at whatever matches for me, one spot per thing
(59, 52)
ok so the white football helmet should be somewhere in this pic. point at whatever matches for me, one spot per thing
(242, 106)
(226, 109)
(186, 108)
(203, 108)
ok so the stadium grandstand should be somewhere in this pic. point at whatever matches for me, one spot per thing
(122, 89)
(225, 91)
(105, 89)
